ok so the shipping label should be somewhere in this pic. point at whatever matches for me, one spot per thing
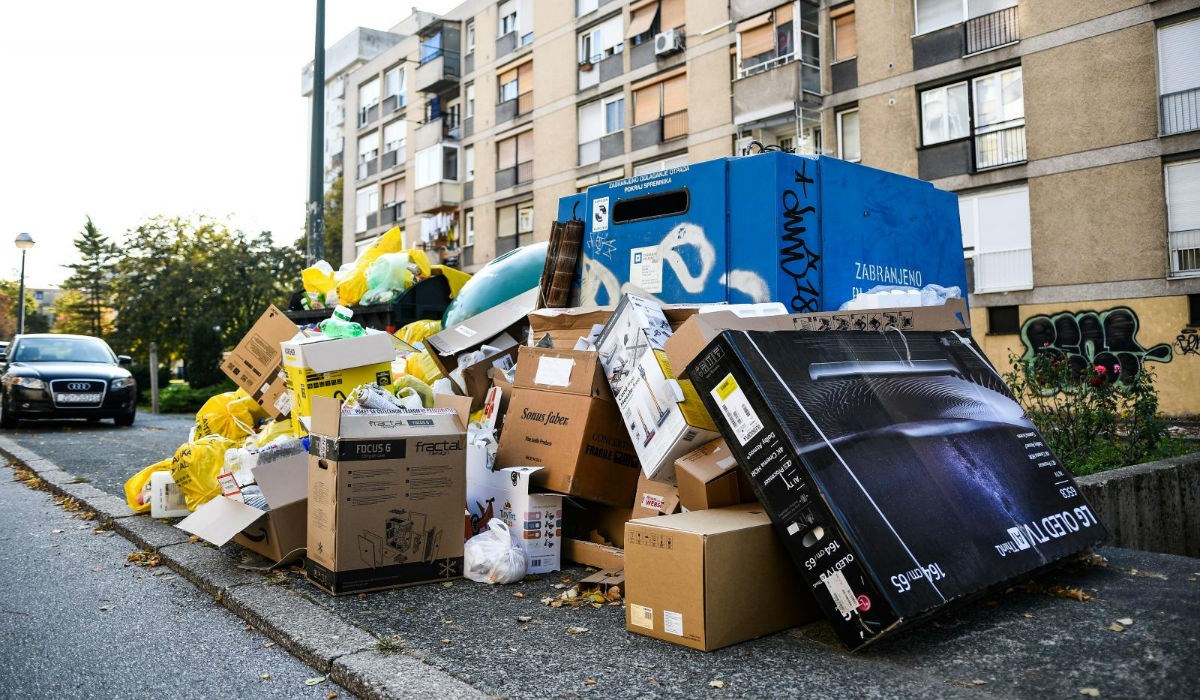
(736, 409)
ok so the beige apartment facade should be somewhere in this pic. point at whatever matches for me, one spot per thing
(1070, 131)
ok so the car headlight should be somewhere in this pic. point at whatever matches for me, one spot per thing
(122, 382)
(27, 382)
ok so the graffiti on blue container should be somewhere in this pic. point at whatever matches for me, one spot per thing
(1093, 339)
(799, 261)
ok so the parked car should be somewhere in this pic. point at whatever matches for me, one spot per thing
(50, 375)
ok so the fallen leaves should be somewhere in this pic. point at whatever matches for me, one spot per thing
(266, 676)
(716, 684)
(1069, 592)
(576, 630)
(1090, 692)
(1127, 621)
(590, 681)
(314, 681)
(518, 594)
(578, 596)
(144, 559)
(1114, 627)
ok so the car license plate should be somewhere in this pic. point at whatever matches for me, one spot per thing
(78, 398)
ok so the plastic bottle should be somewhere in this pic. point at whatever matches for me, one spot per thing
(339, 325)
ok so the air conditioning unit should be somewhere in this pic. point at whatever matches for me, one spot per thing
(668, 42)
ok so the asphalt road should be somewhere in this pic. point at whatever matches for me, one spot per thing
(1026, 642)
(78, 620)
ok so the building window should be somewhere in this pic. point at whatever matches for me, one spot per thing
(644, 24)
(516, 152)
(393, 202)
(937, 14)
(665, 100)
(660, 165)
(394, 139)
(431, 47)
(508, 18)
(845, 38)
(470, 100)
(368, 150)
(991, 108)
(1183, 217)
(849, 146)
(995, 228)
(368, 97)
(583, 7)
(470, 36)
(468, 164)
(1194, 309)
(397, 85)
(525, 218)
(469, 228)
(517, 84)
(1004, 320)
(614, 114)
(366, 203)
(601, 41)
(508, 86)
(436, 164)
(766, 41)
(1179, 76)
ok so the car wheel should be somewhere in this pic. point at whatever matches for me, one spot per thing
(7, 419)
(126, 419)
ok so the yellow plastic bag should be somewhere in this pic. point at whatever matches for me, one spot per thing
(418, 257)
(270, 431)
(195, 467)
(352, 289)
(422, 366)
(231, 415)
(418, 331)
(318, 279)
(456, 278)
(407, 381)
(137, 489)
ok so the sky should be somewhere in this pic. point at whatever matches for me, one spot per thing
(125, 110)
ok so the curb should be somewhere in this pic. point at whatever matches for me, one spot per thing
(347, 654)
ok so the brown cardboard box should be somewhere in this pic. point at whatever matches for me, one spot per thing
(256, 364)
(694, 334)
(385, 498)
(654, 498)
(507, 317)
(708, 477)
(566, 326)
(711, 578)
(563, 419)
(477, 378)
(594, 533)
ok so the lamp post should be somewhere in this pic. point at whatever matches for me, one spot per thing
(24, 242)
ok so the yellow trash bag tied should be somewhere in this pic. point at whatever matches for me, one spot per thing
(231, 415)
(456, 278)
(270, 431)
(421, 366)
(418, 331)
(137, 489)
(195, 467)
(352, 289)
(318, 279)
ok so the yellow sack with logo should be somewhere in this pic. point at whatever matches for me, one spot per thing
(456, 278)
(418, 331)
(270, 431)
(318, 279)
(232, 414)
(195, 467)
(137, 489)
(351, 290)
(421, 366)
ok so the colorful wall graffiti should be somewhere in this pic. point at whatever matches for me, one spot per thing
(1090, 338)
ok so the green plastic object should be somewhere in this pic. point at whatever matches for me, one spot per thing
(339, 324)
(513, 273)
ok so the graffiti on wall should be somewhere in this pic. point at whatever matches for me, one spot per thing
(1093, 338)
(1188, 342)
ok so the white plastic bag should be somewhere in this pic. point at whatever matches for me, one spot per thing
(494, 556)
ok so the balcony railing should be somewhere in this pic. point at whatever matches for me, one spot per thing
(674, 125)
(589, 152)
(524, 172)
(368, 167)
(368, 114)
(1180, 111)
(764, 66)
(525, 103)
(1003, 270)
(1003, 147)
(1185, 253)
(991, 30)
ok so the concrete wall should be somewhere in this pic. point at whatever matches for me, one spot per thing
(1101, 224)
(884, 40)
(1043, 16)
(888, 133)
(1153, 507)
(1160, 320)
(1091, 94)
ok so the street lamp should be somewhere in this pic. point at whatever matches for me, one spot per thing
(24, 242)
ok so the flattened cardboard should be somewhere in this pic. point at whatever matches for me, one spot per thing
(697, 332)
(535, 517)
(385, 494)
(654, 498)
(711, 578)
(507, 317)
(900, 473)
(256, 364)
(708, 477)
(570, 428)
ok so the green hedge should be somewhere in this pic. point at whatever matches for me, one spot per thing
(180, 398)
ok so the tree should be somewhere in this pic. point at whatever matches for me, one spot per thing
(333, 224)
(73, 314)
(35, 321)
(177, 274)
(91, 279)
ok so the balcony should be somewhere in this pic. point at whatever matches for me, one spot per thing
(392, 213)
(511, 109)
(764, 94)
(1003, 270)
(1180, 111)
(436, 130)
(996, 149)
(991, 31)
(506, 44)
(982, 151)
(665, 128)
(600, 68)
(844, 75)
(597, 150)
(438, 71)
(391, 103)
(1185, 253)
(437, 197)
(520, 174)
(367, 167)
(392, 158)
(368, 115)
(642, 54)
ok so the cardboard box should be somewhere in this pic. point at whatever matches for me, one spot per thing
(566, 326)
(385, 497)
(693, 335)
(277, 533)
(708, 477)
(562, 418)
(507, 317)
(535, 517)
(654, 498)
(899, 471)
(593, 533)
(711, 578)
(809, 231)
(478, 377)
(332, 367)
(663, 416)
(256, 364)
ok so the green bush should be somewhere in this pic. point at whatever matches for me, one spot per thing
(1093, 418)
(141, 373)
(204, 356)
(180, 398)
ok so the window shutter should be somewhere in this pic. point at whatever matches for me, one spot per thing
(783, 14)
(506, 221)
(1179, 57)
(506, 154)
(935, 14)
(525, 146)
(758, 40)
(671, 14)
(675, 94)
(1003, 260)
(641, 19)
(646, 104)
(845, 37)
(1183, 196)
(507, 76)
(525, 78)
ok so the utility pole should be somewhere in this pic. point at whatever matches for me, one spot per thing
(316, 154)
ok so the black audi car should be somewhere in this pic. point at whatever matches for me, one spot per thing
(51, 375)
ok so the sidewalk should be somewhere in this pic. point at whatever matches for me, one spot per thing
(465, 639)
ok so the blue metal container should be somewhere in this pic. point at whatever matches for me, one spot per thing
(809, 231)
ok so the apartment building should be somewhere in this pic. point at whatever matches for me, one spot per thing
(1070, 131)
